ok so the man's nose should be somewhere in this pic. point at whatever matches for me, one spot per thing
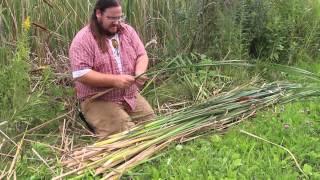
(117, 22)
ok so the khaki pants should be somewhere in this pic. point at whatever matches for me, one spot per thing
(108, 118)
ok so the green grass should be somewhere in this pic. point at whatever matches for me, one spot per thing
(237, 156)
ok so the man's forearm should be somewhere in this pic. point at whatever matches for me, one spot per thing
(141, 65)
(97, 79)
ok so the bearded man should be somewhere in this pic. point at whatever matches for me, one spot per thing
(108, 54)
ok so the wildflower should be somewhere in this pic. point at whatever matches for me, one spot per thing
(26, 24)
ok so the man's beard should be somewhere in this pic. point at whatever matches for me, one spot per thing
(105, 31)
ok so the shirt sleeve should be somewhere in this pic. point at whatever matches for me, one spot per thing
(80, 55)
(137, 43)
(80, 73)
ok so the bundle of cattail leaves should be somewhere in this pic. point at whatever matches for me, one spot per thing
(120, 152)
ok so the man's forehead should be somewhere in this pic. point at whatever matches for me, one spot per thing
(113, 10)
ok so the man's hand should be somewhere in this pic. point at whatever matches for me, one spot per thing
(141, 80)
(123, 81)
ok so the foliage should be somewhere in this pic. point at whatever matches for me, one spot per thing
(32, 154)
(198, 79)
(277, 31)
(24, 98)
(237, 156)
(55, 22)
(15, 80)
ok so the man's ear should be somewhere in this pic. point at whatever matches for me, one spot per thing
(98, 14)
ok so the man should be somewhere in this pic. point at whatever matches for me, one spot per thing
(108, 54)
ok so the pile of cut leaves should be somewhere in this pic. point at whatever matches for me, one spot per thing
(120, 152)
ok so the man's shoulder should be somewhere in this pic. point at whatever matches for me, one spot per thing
(83, 35)
(127, 28)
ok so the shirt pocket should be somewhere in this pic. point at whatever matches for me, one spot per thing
(128, 57)
(103, 64)
(128, 49)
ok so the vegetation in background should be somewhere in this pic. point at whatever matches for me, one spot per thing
(15, 78)
(35, 83)
(277, 31)
(24, 99)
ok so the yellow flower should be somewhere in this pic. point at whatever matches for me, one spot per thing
(26, 24)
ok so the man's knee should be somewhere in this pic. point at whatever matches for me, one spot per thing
(106, 118)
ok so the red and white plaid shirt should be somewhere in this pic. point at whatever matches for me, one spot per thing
(84, 53)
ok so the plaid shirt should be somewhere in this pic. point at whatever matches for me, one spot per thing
(84, 53)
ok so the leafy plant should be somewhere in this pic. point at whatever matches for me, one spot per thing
(24, 97)
(15, 79)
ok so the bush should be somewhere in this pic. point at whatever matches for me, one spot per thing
(25, 98)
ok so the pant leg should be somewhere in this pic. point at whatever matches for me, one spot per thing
(143, 111)
(106, 118)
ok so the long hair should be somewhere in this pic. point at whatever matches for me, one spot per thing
(96, 29)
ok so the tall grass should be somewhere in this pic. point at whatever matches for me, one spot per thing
(15, 80)
(55, 22)
(25, 99)
(280, 31)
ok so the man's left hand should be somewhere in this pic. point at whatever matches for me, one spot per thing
(141, 80)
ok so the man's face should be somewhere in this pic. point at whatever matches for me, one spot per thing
(109, 20)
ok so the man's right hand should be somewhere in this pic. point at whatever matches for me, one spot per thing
(123, 81)
(97, 79)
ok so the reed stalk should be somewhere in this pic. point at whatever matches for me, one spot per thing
(122, 151)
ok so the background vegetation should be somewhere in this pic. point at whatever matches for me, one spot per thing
(35, 83)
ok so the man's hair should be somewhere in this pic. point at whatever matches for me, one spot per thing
(96, 29)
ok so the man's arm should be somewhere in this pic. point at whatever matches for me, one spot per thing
(97, 79)
(142, 57)
(141, 65)
(81, 57)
